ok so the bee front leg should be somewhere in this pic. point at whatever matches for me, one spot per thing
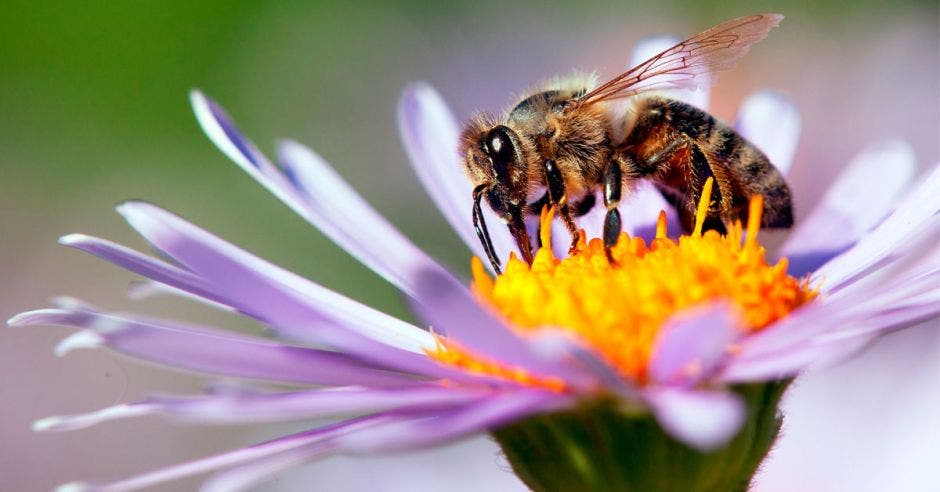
(558, 197)
(479, 224)
(613, 186)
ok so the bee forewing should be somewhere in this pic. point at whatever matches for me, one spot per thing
(685, 65)
(650, 46)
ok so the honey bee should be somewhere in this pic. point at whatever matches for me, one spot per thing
(560, 145)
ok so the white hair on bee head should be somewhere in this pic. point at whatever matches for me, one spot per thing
(576, 80)
(573, 81)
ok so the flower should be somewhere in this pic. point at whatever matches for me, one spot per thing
(704, 361)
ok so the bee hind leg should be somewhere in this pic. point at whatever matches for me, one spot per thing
(698, 170)
(578, 209)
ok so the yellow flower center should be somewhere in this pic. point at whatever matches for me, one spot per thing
(618, 309)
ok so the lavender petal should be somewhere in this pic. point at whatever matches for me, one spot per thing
(833, 331)
(341, 213)
(231, 458)
(429, 135)
(276, 407)
(141, 264)
(449, 308)
(249, 474)
(771, 121)
(692, 344)
(257, 407)
(790, 361)
(917, 207)
(402, 434)
(85, 420)
(878, 308)
(185, 347)
(350, 222)
(287, 301)
(337, 320)
(487, 414)
(880, 174)
(222, 131)
(557, 344)
(703, 419)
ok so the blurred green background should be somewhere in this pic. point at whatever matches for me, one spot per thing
(93, 110)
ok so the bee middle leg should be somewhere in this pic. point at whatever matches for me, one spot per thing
(578, 209)
(613, 187)
(558, 196)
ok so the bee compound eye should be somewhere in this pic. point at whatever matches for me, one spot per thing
(501, 151)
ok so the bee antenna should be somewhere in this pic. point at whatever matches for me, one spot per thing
(480, 226)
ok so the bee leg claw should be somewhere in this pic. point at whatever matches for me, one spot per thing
(573, 249)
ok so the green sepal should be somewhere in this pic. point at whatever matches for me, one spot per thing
(601, 447)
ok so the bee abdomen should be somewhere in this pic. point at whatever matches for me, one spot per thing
(715, 150)
(752, 173)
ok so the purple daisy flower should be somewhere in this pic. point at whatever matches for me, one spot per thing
(874, 264)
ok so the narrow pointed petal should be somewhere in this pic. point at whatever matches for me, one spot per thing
(349, 220)
(255, 407)
(141, 264)
(429, 134)
(146, 289)
(922, 203)
(702, 419)
(449, 308)
(791, 361)
(284, 299)
(185, 347)
(839, 325)
(245, 476)
(561, 345)
(317, 314)
(232, 458)
(318, 403)
(402, 434)
(879, 176)
(836, 325)
(82, 421)
(487, 414)
(691, 345)
(223, 132)
(771, 121)
(651, 46)
(331, 319)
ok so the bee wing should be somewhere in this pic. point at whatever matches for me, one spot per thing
(683, 65)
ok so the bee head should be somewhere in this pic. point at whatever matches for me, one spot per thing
(494, 160)
(493, 156)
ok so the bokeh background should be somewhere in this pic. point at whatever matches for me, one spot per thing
(93, 110)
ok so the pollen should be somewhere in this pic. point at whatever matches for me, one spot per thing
(618, 308)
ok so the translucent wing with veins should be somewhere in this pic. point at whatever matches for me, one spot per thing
(681, 66)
